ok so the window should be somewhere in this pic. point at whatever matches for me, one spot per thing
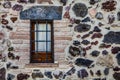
(42, 42)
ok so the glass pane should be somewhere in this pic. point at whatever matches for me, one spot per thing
(42, 27)
(49, 46)
(41, 36)
(48, 36)
(35, 36)
(41, 46)
(48, 27)
(37, 26)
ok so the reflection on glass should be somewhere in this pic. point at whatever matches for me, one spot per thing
(41, 36)
(49, 46)
(49, 36)
(42, 46)
(42, 27)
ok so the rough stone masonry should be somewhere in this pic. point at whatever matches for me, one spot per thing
(86, 40)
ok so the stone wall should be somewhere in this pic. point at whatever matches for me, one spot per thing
(87, 41)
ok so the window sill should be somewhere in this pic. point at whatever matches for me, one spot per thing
(42, 65)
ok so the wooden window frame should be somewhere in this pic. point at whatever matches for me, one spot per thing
(32, 27)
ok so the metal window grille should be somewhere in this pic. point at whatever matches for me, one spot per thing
(36, 39)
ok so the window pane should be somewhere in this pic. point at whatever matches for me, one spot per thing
(48, 36)
(41, 41)
(48, 27)
(41, 46)
(49, 46)
(41, 36)
(42, 27)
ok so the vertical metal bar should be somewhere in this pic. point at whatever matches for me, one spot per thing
(37, 35)
(46, 42)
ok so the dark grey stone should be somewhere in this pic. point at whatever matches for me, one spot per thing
(87, 19)
(22, 76)
(82, 73)
(91, 32)
(7, 4)
(92, 2)
(48, 74)
(82, 28)
(104, 52)
(99, 15)
(80, 9)
(111, 19)
(118, 58)
(76, 42)
(112, 37)
(118, 16)
(74, 51)
(108, 28)
(32, 1)
(92, 66)
(77, 21)
(96, 29)
(100, 24)
(97, 79)
(42, 13)
(10, 77)
(2, 74)
(70, 72)
(116, 76)
(58, 75)
(14, 67)
(70, 25)
(64, 2)
(95, 53)
(83, 62)
(9, 27)
(85, 42)
(77, 51)
(8, 65)
(104, 79)
(22, 1)
(37, 74)
(106, 71)
(92, 73)
(17, 7)
(98, 73)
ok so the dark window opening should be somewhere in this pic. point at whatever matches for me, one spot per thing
(42, 42)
